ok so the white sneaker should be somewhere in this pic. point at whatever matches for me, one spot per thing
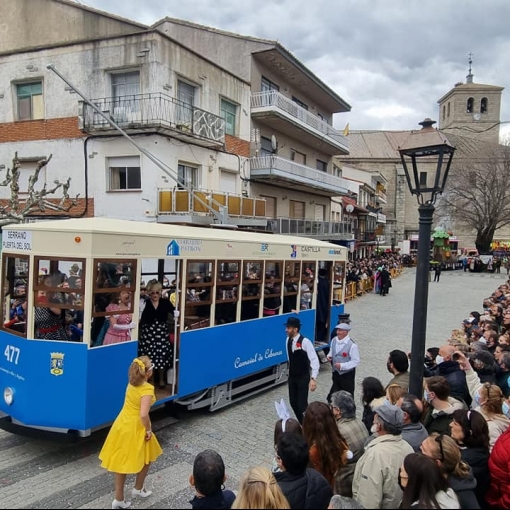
(142, 493)
(121, 504)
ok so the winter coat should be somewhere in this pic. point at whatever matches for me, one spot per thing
(456, 378)
(478, 460)
(375, 482)
(402, 379)
(307, 490)
(503, 381)
(439, 420)
(465, 490)
(414, 434)
(498, 423)
(448, 499)
(498, 495)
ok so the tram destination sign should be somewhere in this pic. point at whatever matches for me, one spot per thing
(20, 240)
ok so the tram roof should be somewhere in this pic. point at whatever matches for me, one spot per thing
(144, 229)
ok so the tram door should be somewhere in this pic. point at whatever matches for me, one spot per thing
(323, 303)
(168, 273)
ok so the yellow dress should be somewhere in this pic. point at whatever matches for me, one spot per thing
(125, 450)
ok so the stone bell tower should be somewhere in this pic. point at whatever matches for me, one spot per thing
(471, 109)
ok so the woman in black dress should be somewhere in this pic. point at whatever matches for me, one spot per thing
(155, 332)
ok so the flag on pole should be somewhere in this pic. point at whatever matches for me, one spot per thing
(346, 130)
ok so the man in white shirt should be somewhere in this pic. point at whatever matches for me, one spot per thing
(344, 356)
(302, 360)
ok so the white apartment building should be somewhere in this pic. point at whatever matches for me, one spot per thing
(185, 110)
(239, 120)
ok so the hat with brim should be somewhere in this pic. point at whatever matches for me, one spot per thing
(343, 326)
(293, 322)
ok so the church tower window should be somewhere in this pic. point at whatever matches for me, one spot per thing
(444, 112)
(448, 108)
(470, 105)
(484, 105)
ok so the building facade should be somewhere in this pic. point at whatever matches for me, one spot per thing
(183, 109)
(292, 136)
(472, 133)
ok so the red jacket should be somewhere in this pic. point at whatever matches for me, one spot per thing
(498, 494)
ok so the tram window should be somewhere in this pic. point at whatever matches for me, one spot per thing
(338, 281)
(272, 288)
(58, 299)
(291, 286)
(114, 273)
(14, 296)
(307, 284)
(200, 284)
(251, 289)
(113, 285)
(253, 271)
(200, 273)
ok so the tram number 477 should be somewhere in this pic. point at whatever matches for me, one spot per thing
(12, 354)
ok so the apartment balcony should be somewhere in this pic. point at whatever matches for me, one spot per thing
(287, 174)
(381, 196)
(182, 206)
(158, 112)
(284, 115)
(310, 228)
(381, 218)
(365, 236)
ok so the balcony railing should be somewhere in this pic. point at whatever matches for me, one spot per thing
(365, 235)
(309, 227)
(274, 99)
(276, 167)
(155, 110)
(182, 202)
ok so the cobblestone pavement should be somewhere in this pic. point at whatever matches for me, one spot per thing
(41, 474)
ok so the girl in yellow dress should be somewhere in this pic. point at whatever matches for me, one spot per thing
(131, 446)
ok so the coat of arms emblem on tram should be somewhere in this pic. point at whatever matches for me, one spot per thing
(57, 363)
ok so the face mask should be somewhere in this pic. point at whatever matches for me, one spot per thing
(426, 396)
(439, 359)
(386, 402)
(506, 409)
(477, 399)
(429, 362)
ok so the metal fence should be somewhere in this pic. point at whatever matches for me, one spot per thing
(154, 110)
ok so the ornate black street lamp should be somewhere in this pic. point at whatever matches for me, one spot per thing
(428, 146)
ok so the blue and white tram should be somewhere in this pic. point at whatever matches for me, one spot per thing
(233, 291)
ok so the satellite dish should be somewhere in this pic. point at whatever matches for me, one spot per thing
(349, 208)
(274, 143)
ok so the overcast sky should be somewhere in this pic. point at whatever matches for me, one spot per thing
(391, 60)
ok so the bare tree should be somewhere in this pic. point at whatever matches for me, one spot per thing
(35, 201)
(478, 194)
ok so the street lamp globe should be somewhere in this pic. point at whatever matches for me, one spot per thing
(427, 145)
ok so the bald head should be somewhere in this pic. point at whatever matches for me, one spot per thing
(446, 351)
